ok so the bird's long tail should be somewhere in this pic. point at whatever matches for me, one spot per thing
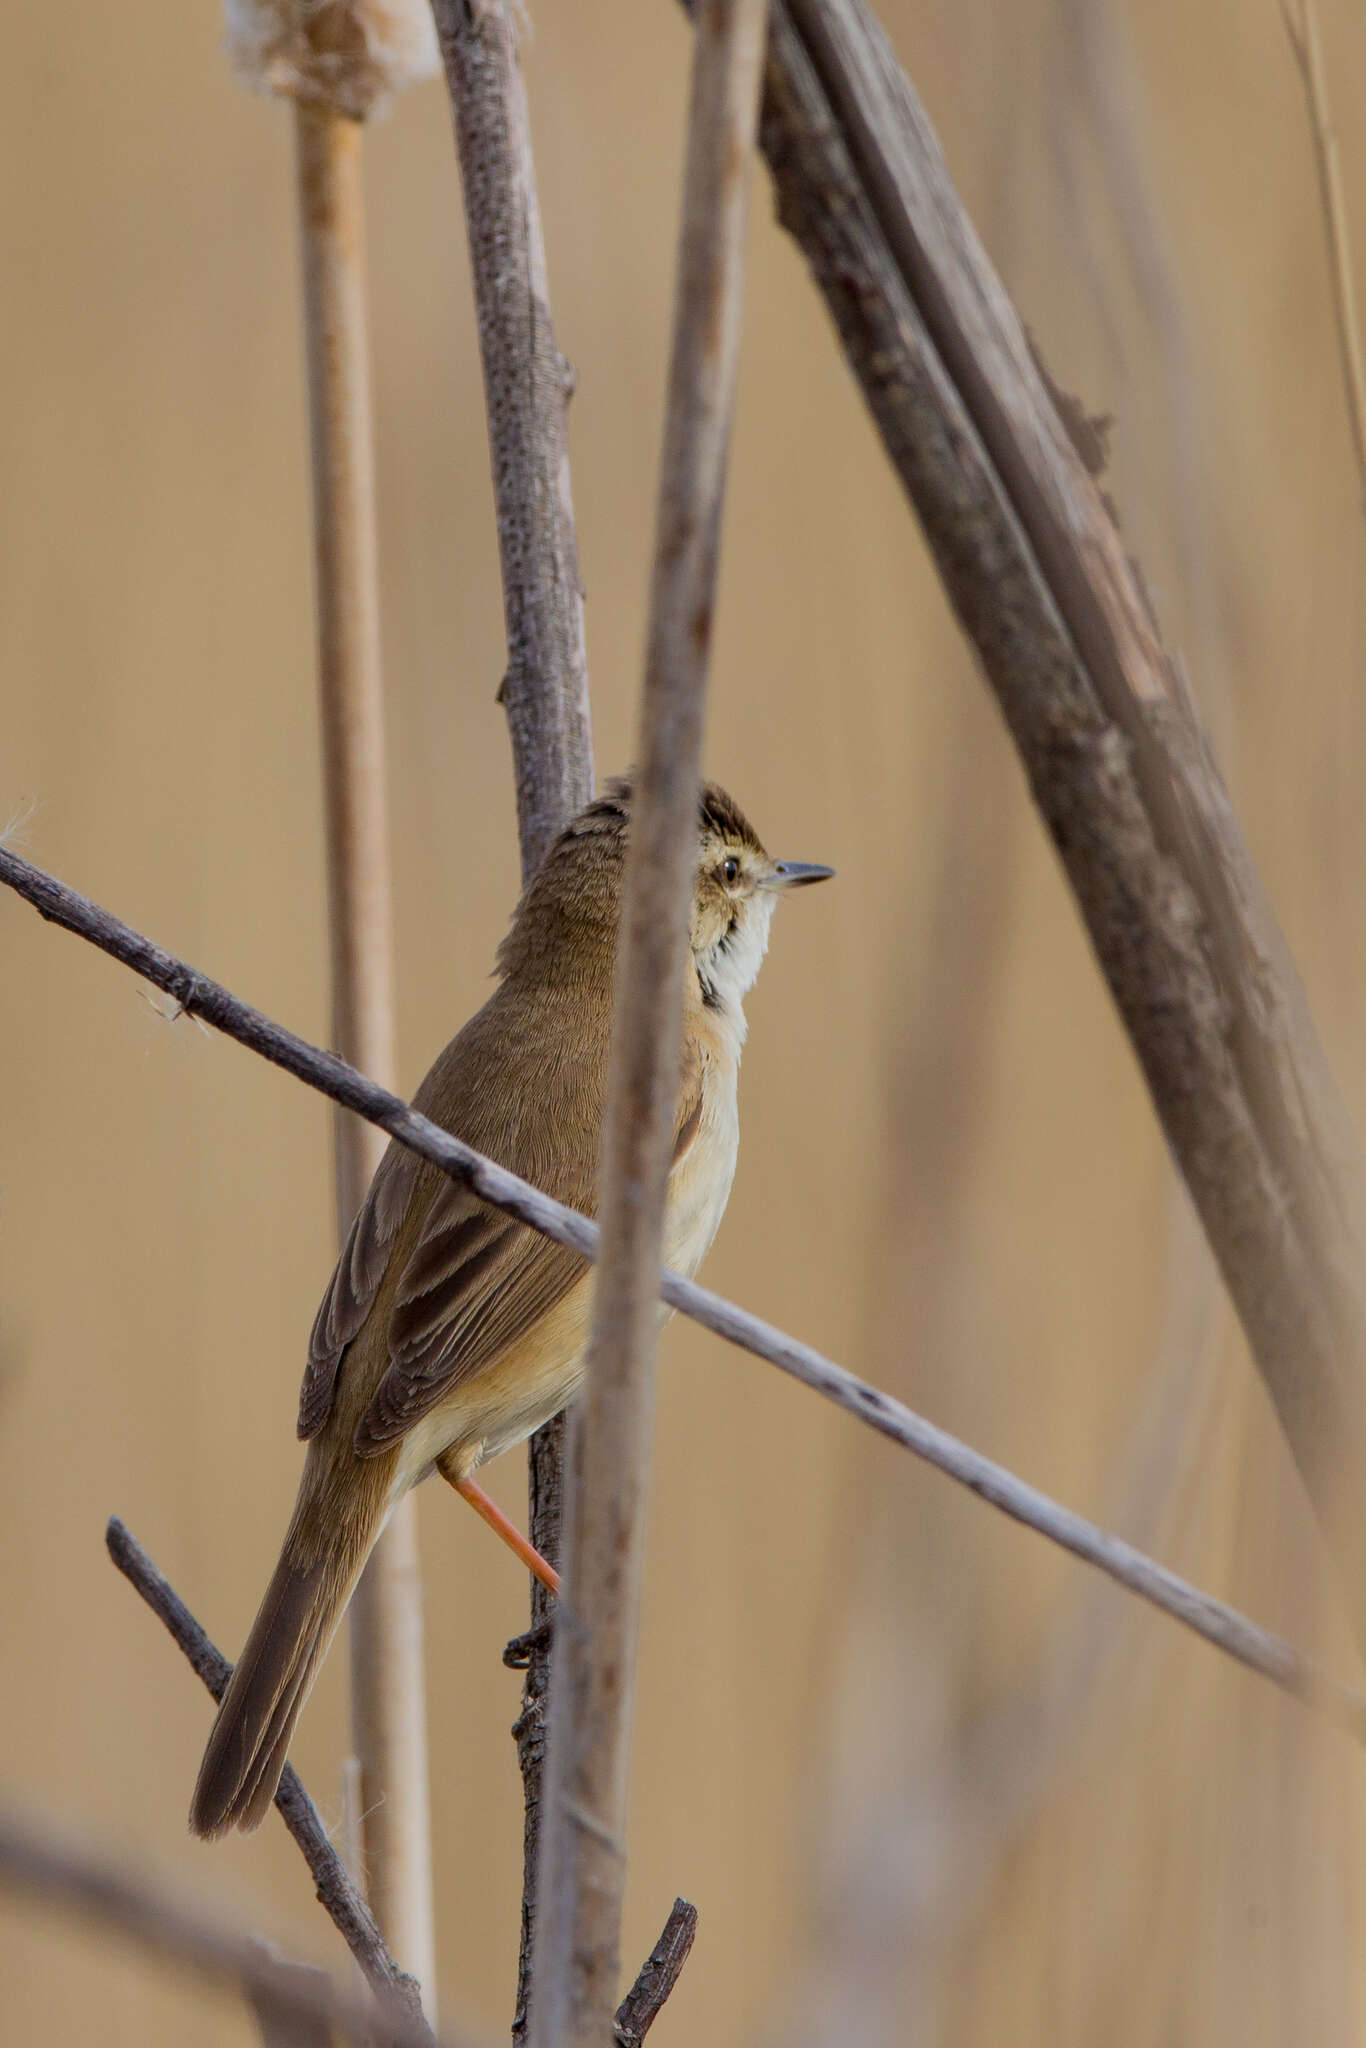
(304, 1602)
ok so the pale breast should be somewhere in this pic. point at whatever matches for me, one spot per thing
(700, 1184)
(535, 1379)
(526, 1386)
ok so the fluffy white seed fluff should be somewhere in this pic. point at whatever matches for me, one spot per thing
(352, 55)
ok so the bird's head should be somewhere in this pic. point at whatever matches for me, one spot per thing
(735, 887)
(567, 920)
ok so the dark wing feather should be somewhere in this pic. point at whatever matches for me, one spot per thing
(355, 1282)
(471, 1281)
(477, 1282)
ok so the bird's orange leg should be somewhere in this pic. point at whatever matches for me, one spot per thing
(490, 1512)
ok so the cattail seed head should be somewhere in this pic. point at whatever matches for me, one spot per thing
(350, 55)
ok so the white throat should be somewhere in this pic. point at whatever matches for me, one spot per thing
(730, 966)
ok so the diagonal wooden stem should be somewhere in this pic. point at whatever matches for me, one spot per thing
(1120, 767)
(195, 995)
(337, 1891)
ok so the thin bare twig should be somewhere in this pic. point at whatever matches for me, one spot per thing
(1119, 764)
(37, 1863)
(576, 1958)
(1306, 41)
(659, 1973)
(527, 386)
(337, 1892)
(197, 996)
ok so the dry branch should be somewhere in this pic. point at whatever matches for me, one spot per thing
(197, 996)
(36, 1863)
(576, 1959)
(337, 1892)
(527, 386)
(1116, 757)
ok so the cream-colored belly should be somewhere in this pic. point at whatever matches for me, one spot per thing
(699, 1186)
(536, 1378)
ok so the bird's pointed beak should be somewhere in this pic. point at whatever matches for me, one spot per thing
(795, 874)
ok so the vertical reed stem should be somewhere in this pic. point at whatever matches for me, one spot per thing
(387, 1695)
(527, 385)
(576, 1955)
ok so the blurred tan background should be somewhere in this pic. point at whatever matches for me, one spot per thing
(927, 1781)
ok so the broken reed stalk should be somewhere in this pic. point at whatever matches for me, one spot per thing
(991, 456)
(576, 1956)
(388, 1703)
(527, 387)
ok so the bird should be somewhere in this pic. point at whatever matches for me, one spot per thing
(449, 1331)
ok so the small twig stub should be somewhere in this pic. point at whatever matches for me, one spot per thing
(658, 1974)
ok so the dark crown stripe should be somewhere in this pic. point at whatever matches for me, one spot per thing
(610, 814)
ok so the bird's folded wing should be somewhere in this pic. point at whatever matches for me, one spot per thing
(473, 1284)
(477, 1282)
(356, 1281)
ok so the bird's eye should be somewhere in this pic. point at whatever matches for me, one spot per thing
(730, 868)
